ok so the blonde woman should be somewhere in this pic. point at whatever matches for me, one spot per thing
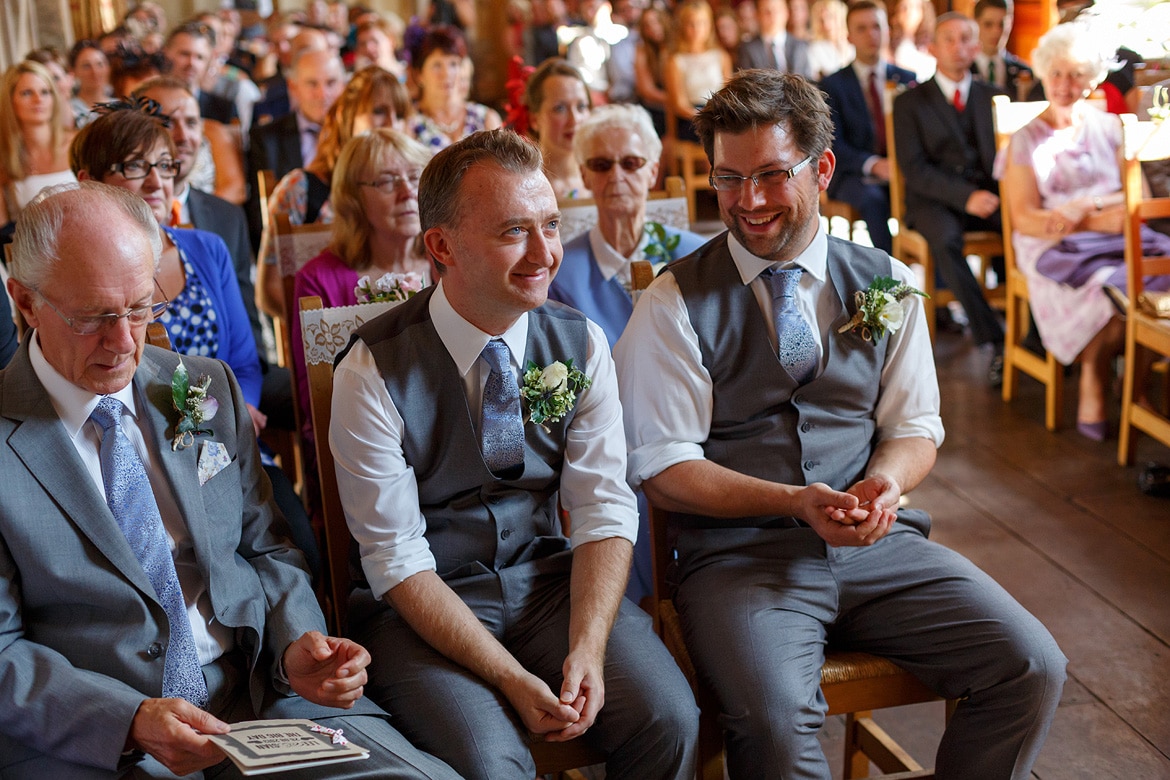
(697, 67)
(34, 147)
(829, 50)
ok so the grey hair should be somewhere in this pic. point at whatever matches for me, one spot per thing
(618, 115)
(37, 238)
(1072, 42)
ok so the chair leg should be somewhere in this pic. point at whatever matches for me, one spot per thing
(1054, 394)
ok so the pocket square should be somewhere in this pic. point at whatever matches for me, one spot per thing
(213, 458)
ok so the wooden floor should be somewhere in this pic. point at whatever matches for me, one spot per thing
(1059, 524)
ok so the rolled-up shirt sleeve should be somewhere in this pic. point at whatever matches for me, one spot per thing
(593, 485)
(378, 489)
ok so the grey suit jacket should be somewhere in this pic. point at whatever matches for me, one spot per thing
(78, 616)
(755, 53)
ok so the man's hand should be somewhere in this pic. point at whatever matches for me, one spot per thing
(543, 714)
(881, 169)
(848, 519)
(326, 670)
(982, 203)
(583, 689)
(172, 730)
(259, 419)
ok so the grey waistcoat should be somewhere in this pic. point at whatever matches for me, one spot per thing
(763, 424)
(475, 521)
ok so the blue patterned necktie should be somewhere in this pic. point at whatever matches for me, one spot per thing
(794, 338)
(131, 500)
(503, 427)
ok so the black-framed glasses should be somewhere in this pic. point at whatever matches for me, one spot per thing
(629, 163)
(88, 325)
(140, 169)
(388, 182)
(727, 182)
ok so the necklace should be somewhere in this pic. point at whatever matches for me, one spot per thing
(449, 128)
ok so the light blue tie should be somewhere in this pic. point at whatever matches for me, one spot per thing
(794, 338)
(503, 427)
(132, 502)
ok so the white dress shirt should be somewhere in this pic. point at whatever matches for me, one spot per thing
(669, 391)
(982, 61)
(862, 71)
(74, 406)
(377, 485)
(948, 87)
(609, 261)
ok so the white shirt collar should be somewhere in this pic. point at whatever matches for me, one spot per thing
(862, 70)
(948, 87)
(464, 341)
(72, 404)
(609, 260)
(813, 259)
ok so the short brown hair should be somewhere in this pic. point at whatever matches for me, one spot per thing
(113, 137)
(763, 97)
(857, 6)
(439, 191)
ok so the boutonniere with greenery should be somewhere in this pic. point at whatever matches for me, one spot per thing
(659, 245)
(194, 405)
(880, 308)
(389, 287)
(550, 392)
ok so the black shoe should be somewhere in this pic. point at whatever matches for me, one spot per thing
(1154, 480)
(995, 369)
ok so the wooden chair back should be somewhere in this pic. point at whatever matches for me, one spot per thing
(1010, 117)
(911, 247)
(687, 160)
(1144, 142)
(265, 184)
(854, 684)
(667, 206)
(325, 333)
(294, 245)
(157, 336)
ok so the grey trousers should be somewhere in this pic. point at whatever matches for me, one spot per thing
(759, 606)
(647, 727)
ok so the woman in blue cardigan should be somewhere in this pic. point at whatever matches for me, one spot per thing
(618, 152)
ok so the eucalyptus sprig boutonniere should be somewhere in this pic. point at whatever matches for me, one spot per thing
(194, 405)
(659, 245)
(880, 308)
(550, 392)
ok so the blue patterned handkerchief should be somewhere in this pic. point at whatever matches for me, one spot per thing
(213, 458)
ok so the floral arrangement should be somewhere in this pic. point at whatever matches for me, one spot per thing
(880, 308)
(390, 287)
(550, 392)
(194, 406)
(659, 245)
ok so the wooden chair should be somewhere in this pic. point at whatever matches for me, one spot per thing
(854, 684)
(667, 206)
(325, 333)
(157, 336)
(838, 208)
(1010, 117)
(911, 247)
(265, 184)
(685, 159)
(294, 245)
(1144, 141)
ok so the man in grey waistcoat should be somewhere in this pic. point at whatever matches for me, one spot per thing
(486, 624)
(782, 440)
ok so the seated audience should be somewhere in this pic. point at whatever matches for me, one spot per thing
(829, 49)
(91, 72)
(373, 98)
(1062, 172)
(55, 62)
(155, 599)
(489, 625)
(190, 49)
(946, 149)
(994, 63)
(856, 99)
(375, 229)
(697, 65)
(34, 147)
(911, 33)
(558, 100)
(773, 47)
(444, 112)
(655, 30)
(783, 444)
(377, 44)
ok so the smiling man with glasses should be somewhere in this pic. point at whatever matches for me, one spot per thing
(782, 440)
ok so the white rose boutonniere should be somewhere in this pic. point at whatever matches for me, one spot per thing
(550, 392)
(194, 405)
(881, 308)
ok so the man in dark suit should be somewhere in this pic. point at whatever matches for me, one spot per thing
(994, 63)
(946, 148)
(189, 49)
(855, 95)
(154, 599)
(318, 78)
(774, 47)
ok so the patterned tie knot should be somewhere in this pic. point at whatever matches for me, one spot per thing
(784, 281)
(498, 356)
(108, 413)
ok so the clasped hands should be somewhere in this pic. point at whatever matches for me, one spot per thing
(857, 517)
(550, 718)
(324, 670)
